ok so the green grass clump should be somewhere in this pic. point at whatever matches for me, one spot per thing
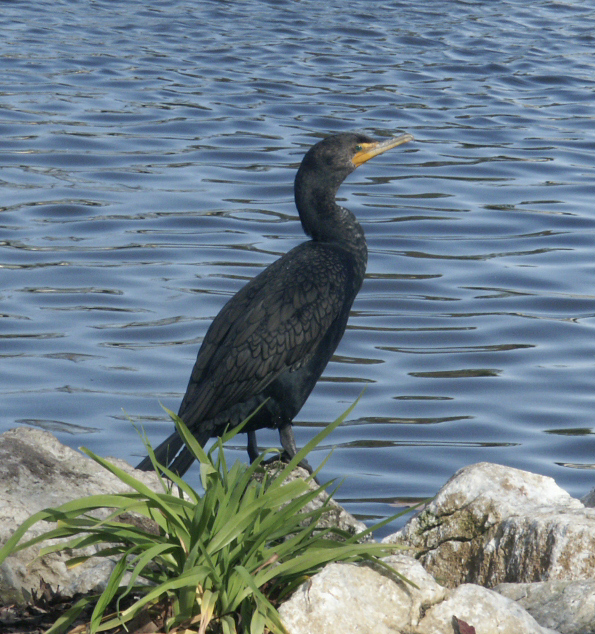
(220, 561)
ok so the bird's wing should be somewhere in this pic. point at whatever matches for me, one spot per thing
(273, 324)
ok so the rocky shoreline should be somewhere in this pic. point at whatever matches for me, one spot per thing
(498, 550)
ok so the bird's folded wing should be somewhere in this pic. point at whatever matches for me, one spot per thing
(273, 324)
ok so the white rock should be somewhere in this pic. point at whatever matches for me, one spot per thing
(589, 499)
(485, 610)
(567, 606)
(358, 600)
(491, 524)
(38, 472)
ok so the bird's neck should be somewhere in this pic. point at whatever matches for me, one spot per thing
(325, 221)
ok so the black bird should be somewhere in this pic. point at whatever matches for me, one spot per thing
(274, 337)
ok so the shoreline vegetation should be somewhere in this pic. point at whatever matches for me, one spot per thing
(265, 549)
(220, 561)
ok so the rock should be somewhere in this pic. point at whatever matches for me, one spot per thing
(38, 472)
(335, 516)
(491, 524)
(359, 600)
(485, 610)
(348, 598)
(487, 524)
(567, 606)
(589, 499)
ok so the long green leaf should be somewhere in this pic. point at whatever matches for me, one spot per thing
(269, 613)
(74, 508)
(108, 594)
(191, 577)
(242, 519)
(315, 558)
(160, 500)
(384, 522)
(142, 561)
(189, 440)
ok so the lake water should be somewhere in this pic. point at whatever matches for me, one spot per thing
(147, 157)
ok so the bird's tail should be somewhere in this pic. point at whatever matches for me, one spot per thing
(182, 462)
(166, 453)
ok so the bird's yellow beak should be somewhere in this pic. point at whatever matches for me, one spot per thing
(370, 150)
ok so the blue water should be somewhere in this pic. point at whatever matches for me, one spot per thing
(147, 156)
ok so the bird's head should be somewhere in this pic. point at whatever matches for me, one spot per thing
(324, 167)
(335, 157)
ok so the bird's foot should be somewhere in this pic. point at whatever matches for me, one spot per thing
(284, 456)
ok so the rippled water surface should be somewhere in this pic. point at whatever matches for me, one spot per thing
(147, 156)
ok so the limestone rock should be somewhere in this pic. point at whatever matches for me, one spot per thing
(359, 600)
(589, 499)
(38, 472)
(485, 610)
(491, 524)
(567, 606)
(335, 516)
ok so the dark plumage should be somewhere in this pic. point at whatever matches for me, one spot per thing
(274, 337)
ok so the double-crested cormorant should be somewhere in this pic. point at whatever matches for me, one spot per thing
(274, 337)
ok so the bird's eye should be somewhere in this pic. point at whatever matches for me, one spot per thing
(358, 148)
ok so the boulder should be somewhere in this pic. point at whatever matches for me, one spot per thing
(483, 609)
(355, 599)
(335, 516)
(489, 524)
(589, 499)
(38, 472)
(492, 524)
(567, 606)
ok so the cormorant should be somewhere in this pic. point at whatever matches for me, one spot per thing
(274, 337)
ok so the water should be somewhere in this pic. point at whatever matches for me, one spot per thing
(147, 155)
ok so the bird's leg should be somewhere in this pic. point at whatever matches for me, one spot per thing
(288, 440)
(290, 448)
(252, 446)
